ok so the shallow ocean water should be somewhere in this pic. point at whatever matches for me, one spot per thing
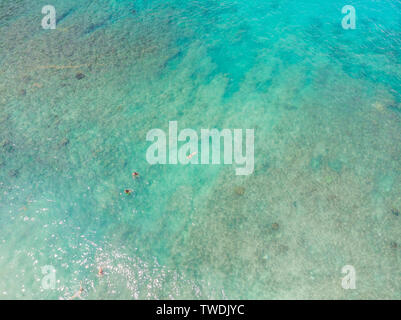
(325, 104)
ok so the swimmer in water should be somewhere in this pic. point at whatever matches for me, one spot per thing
(100, 272)
(127, 191)
(78, 293)
(191, 155)
(135, 175)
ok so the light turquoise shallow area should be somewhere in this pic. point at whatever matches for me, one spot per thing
(325, 104)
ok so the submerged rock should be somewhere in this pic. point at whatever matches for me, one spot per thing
(64, 142)
(275, 226)
(396, 108)
(6, 145)
(316, 163)
(239, 191)
(79, 75)
(290, 107)
(13, 173)
(335, 165)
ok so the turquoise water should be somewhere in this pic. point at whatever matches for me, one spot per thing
(325, 104)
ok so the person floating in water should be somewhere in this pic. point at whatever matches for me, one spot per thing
(127, 191)
(135, 175)
(100, 273)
